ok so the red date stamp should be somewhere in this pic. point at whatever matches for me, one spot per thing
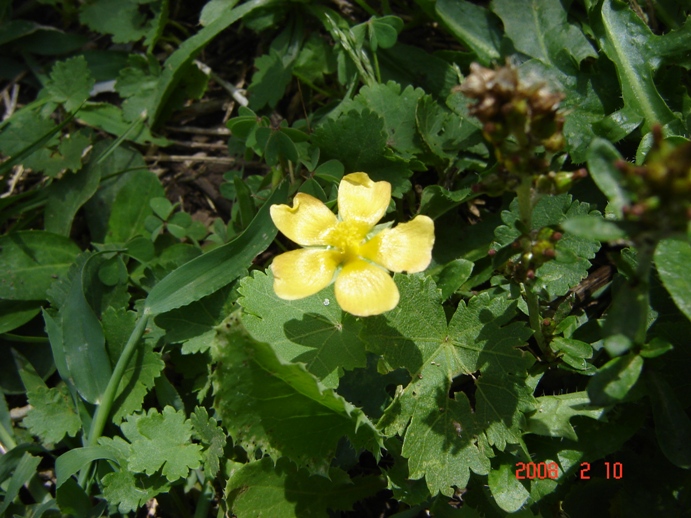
(540, 470)
(612, 470)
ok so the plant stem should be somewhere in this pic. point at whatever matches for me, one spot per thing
(103, 410)
(6, 439)
(534, 317)
(525, 202)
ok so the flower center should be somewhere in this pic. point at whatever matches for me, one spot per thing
(348, 237)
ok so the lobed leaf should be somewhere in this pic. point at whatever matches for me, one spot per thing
(314, 331)
(280, 409)
(284, 490)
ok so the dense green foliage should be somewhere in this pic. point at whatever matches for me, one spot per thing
(538, 367)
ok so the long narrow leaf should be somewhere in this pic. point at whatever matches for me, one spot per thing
(174, 68)
(213, 270)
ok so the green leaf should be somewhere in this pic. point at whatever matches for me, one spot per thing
(137, 84)
(478, 338)
(82, 336)
(214, 9)
(453, 276)
(592, 93)
(22, 474)
(213, 270)
(437, 201)
(124, 20)
(572, 347)
(270, 81)
(70, 82)
(132, 206)
(15, 313)
(143, 368)
(359, 142)
(213, 438)
(160, 441)
(672, 423)
(629, 43)
(397, 108)
(473, 26)
(672, 259)
(594, 228)
(111, 119)
(75, 459)
(553, 413)
(24, 128)
(177, 62)
(67, 195)
(441, 129)
(571, 265)
(260, 488)
(602, 157)
(194, 326)
(384, 31)
(129, 492)
(52, 415)
(314, 330)
(281, 409)
(506, 489)
(615, 380)
(539, 29)
(31, 260)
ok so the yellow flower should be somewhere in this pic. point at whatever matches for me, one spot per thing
(363, 284)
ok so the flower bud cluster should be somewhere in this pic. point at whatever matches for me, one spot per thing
(660, 190)
(518, 117)
(536, 249)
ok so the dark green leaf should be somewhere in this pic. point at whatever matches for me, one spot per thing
(672, 423)
(594, 227)
(628, 42)
(615, 380)
(314, 330)
(66, 197)
(22, 474)
(15, 313)
(602, 157)
(672, 260)
(174, 67)
(70, 82)
(131, 206)
(260, 488)
(75, 459)
(539, 29)
(359, 142)
(30, 261)
(83, 340)
(473, 26)
(246, 383)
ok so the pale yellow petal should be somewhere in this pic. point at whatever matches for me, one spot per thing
(364, 289)
(407, 247)
(361, 199)
(307, 222)
(301, 273)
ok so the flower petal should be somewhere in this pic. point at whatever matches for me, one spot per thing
(406, 247)
(307, 222)
(301, 273)
(364, 289)
(361, 199)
